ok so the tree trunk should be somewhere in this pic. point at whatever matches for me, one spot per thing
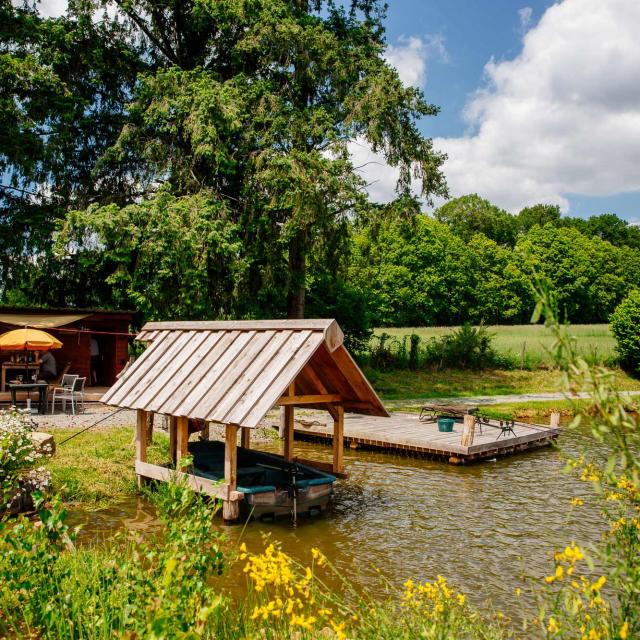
(298, 272)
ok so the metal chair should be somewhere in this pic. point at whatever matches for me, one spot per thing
(72, 389)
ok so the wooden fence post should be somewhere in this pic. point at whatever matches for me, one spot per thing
(468, 431)
(173, 434)
(554, 421)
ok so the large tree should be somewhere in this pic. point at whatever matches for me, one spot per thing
(251, 105)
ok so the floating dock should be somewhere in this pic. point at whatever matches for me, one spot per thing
(406, 433)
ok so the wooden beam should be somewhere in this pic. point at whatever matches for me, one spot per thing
(173, 434)
(182, 438)
(202, 485)
(141, 440)
(288, 431)
(338, 441)
(322, 324)
(320, 398)
(230, 508)
(141, 435)
(312, 375)
(245, 438)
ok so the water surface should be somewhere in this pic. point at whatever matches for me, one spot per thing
(483, 526)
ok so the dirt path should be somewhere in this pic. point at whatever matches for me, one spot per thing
(502, 399)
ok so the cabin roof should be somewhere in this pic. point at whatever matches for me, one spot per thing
(233, 372)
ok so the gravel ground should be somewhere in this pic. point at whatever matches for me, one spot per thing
(126, 418)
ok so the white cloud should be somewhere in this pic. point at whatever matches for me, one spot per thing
(52, 8)
(562, 118)
(410, 57)
(525, 14)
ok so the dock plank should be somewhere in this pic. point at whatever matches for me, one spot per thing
(405, 432)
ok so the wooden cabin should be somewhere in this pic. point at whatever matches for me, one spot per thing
(75, 328)
(232, 373)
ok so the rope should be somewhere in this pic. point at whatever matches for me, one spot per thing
(91, 426)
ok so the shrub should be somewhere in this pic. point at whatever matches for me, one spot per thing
(464, 348)
(625, 325)
(18, 456)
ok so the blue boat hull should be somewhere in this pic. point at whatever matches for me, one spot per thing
(270, 484)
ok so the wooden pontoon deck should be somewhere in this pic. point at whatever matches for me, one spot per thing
(404, 432)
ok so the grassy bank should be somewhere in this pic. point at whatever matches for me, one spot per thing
(96, 467)
(529, 344)
(450, 383)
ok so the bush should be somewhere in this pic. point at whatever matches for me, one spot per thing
(464, 348)
(625, 325)
(18, 456)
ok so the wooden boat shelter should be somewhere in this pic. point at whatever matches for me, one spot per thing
(233, 373)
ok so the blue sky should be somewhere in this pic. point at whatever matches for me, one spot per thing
(540, 100)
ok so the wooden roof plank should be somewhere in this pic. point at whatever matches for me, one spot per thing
(246, 386)
(156, 375)
(190, 405)
(275, 359)
(289, 369)
(177, 371)
(119, 391)
(208, 407)
(196, 376)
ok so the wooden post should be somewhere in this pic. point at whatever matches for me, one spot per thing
(283, 422)
(173, 434)
(245, 438)
(230, 508)
(338, 440)
(289, 419)
(150, 415)
(469, 430)
(141, 440)
(554, 422)
(182, 438)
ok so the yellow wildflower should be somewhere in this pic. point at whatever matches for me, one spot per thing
(624, 630)
(577, 502)
(553, 626)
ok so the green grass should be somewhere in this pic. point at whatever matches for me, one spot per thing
(452, 383)
(531, 342)
(96, 467)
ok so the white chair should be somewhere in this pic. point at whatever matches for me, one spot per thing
(71, 389)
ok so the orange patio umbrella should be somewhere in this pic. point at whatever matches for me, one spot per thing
(28, 340)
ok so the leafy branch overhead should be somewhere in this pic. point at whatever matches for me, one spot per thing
(249, 103)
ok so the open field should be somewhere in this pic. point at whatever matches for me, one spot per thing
(529, 343)
(448, 383)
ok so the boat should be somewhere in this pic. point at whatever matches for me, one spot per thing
(272, 486)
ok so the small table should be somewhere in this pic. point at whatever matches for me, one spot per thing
(41, 387)
(24, 368)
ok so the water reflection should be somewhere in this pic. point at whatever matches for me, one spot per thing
(483, 526)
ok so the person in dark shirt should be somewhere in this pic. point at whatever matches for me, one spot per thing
(48, 368)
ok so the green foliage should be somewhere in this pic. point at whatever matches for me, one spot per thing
(18, 456)
(466, 347)
(625, 326)
(143, 588)
(249, 106)
(169, 257)
(538, 214)
(471, 214)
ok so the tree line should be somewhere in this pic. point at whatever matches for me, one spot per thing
(190, 159)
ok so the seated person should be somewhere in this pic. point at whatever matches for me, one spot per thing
(48, 369)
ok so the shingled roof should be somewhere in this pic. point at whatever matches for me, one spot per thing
(234, 372)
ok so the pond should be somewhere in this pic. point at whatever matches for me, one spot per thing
(482, 526)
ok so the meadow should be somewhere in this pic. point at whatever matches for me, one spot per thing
(530, 345)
